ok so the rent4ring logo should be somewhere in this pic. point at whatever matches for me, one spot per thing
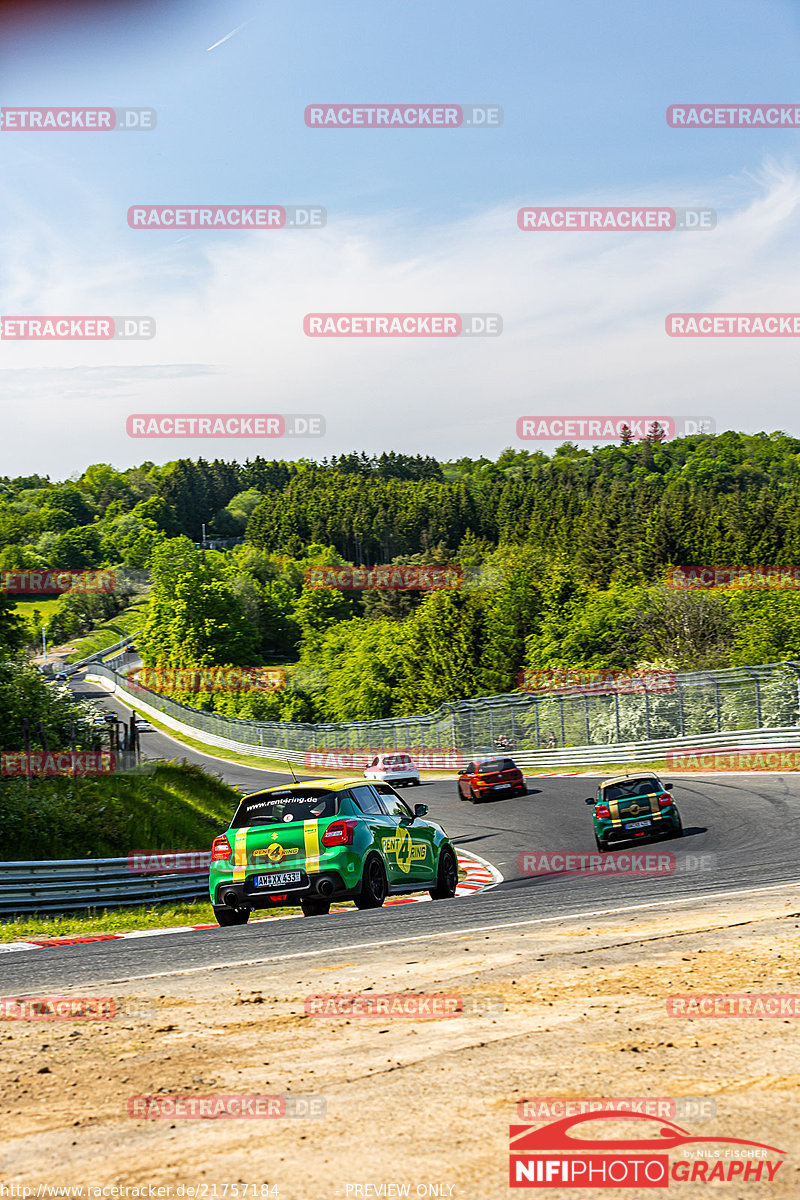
(552, 1156)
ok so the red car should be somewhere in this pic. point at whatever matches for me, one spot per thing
(489, 777)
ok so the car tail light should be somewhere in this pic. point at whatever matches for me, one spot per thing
(220, 848)
(340, 833)
(665, 800)
(602, 810)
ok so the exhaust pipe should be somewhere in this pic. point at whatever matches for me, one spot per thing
(230, 899)
(325, 888)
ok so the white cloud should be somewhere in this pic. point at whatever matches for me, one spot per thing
(583, 315)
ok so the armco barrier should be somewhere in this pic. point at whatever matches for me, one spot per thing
(532, 761)
(98, 656)
(66, 884)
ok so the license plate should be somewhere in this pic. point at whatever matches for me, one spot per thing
(274, 883)
(499, 786)
(636, 824)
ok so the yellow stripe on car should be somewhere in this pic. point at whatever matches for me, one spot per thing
(311, 836)
(240, 856)
(613, 808)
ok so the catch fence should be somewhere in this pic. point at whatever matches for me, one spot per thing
(702, 706)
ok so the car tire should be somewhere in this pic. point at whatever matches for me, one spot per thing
(678, 830)
(231, 916)
(459, 793)
(315, 908)
(416, 782)
(446, 876)
(601, 845)
(475, 799)
(374, 887)
(523, 791)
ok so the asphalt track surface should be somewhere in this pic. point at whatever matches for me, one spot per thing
(742, 834)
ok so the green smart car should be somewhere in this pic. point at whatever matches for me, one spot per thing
(311, 843)
(628, 807)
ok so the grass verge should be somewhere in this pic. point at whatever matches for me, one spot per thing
(127, 920)
(117, 920)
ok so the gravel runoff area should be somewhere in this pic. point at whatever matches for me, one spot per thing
(554, 1010)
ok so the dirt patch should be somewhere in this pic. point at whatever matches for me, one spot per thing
(575, 1013)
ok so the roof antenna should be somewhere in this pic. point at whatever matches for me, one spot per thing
(291, 768)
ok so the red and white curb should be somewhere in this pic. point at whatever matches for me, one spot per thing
(481, 876)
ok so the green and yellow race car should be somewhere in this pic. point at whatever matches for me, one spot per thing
(628, 807)
(314, 842)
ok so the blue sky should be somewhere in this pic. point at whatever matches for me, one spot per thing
(417, 220)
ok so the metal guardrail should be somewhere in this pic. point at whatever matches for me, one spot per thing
(99, 655)
(65, 884)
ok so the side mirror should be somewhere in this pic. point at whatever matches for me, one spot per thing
(589, 800)
(667, 787)
(420, 810)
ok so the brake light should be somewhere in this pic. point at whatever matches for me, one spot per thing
(665, 800)
(220, 848)
(602, 810)
(340, 833)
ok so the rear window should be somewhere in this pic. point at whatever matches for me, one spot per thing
(278, 808)
(396, 760)
(495, 764)
(629, 788)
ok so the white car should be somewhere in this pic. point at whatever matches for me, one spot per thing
(396, 768)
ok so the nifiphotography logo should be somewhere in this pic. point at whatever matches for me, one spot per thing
(553, 1156)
